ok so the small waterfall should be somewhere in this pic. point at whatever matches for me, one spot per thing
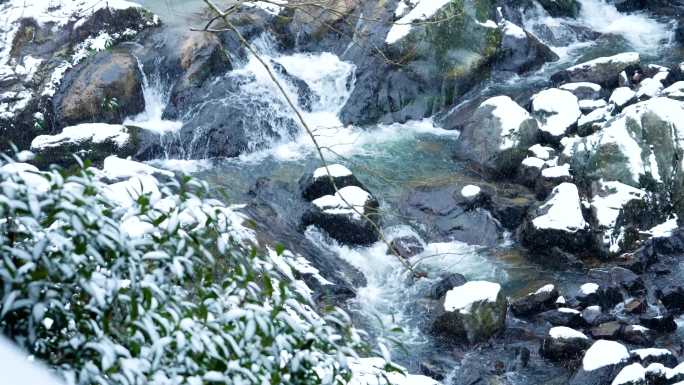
(156, 96)
(641, 31)
(570, 37)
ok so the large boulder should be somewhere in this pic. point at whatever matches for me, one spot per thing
(641, 144)
(557, 112)
(601, 363)
(608, 205)
(106, 88)
(497, 135)
(446, 215)
(563, 343)
(345, 216)
(558, 222)
(44, 44)
(604, 70)
(472, 313)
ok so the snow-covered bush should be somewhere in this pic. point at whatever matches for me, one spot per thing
(155, 290)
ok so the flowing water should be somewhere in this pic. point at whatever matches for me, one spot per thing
(392, 159)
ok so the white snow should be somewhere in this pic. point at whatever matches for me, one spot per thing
(116, 168)
(533, 162)
(603, 353)
(621, 96)
(513, 30)
(557, 172)
(588, 288)
(335, 204)
(649, 88)
(18, 369)
(561, 300)
(595, 117)
(587, 104)
(510, 115)
(630, 374)
(470, 191)
(545, 289)
(29, 174)
(623, 58)
(566, 333)
(127, 192)
(572, 87)
(87, 132)
(664, 229)
(564, 210)
(370, 371)
(336, 170)
(568, 310)
(541, 152)
(607, 204)
(556, 109)
(422, 10)
(651, 352)
(675, 91)
(463, 297)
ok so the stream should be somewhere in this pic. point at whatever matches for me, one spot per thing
(392, 159)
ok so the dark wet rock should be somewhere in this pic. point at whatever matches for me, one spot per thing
(605, 295)
(199, 57)
(652, 355)
(608, 330)
(521, 51)
(343, 223)
(635, 306)
(106, 88)
(638, 335)
(562, 344)
(620, 277)
(471, 313)
(563, 317)
(661, 323)
(448, 215)
(561, 8)
(317, 184)
(541, 300)
(584, 90)
(497, 136)
(306, 98)
(603, 71)
(594, 316)
(275, 209)
(255, 120)
(671, 294)
(407, 247)
(601, 363)
(446, 283)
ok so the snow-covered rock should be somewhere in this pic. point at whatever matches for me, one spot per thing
(647, 356)
(318, 184)
(563, 343)
(675, 91)
(558, 222)
(497, 134)
(583, 90)
(593, 121)
(603, 70)
(622, 97)
(521, 51)
(92, 141)
(633, 374)
(601, 363)
(422, 10)
(607, 205)
(557, 111)
(542, 299)
(587, 106)
(344, 216)
(472, 312)
(371, 371)
(642, 141)
(649, 88)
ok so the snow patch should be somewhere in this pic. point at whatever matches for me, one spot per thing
(336, 171)
(556, 109)
(87, 132)
(463, 297)
(566, 333)
(564, 210)
(604, 353)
